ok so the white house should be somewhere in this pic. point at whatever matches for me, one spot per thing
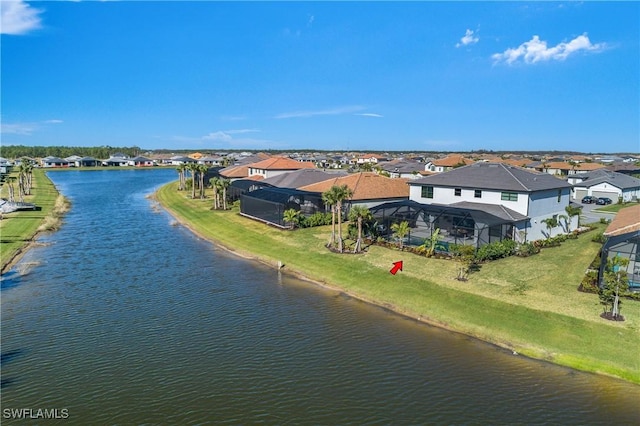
(525, 196)
(275, 166)
(605, 183)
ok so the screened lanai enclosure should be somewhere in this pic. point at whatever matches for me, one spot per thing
(269, 204)
(626, 246)
(457, 225)
(243, 186)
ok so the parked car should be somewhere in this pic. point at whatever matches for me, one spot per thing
(603, 201)
(589, 199)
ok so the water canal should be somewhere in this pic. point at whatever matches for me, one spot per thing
(122, 317)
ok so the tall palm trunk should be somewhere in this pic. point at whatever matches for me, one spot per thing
(339, 208)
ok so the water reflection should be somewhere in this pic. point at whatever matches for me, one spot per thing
(128, 319)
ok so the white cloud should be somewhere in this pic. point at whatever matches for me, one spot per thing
(468, 39)
(18, 17)
(536, 50)
(370, 114)
(226, 135)
(25, 129)
(349, 109)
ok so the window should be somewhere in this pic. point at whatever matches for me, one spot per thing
(477, 193)
(509, 196)
(457, 192)
(427, 192)
(559, 194)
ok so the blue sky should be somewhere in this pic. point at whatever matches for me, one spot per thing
(411, 76)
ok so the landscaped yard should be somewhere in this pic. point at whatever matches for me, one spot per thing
(17, 229)
(614, 208)
(529, 305)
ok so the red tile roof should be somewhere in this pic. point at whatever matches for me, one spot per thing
(281, 163)
(452, 160)
(627, 220)
(365, 186)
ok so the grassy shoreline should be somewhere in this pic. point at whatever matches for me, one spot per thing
(19, 229)
(515, 303)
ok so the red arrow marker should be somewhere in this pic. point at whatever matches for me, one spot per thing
(397, 266)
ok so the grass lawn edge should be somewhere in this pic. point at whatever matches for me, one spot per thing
(520, 346)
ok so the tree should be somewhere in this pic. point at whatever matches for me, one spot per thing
(202, 172)
(573, 211)
(291, 216)
(429, 245)
(10, 181)
(181, 177)
(400, 230)
(615, 283)
(214, 184)
(342, 193)
(550, 222)
(223, 184)
(193, 168)
(359, 214)
(329, 198)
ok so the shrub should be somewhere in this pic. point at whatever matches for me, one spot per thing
(599, 238)
(497, 250)
(589, 283)
(316, 219)
(527, 249)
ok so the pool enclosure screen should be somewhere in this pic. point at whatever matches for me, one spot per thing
(625, 246)
(269, 204)
(456, 225)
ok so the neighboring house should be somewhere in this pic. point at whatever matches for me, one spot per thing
(235, 172)
(300, 178)
(275, 166)
(605, 183)
(54, 162)
(449, 162)
(623, 239)
(563, 168)
(211, 161)
(371, 159)
(140, 161)
(523, 198)
(627, 168)
(176, 160)
(268, 204)
(86, 162)
(404, 169)
(369, 189)
(115, 161)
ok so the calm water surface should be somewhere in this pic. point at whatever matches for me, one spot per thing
(122, 317)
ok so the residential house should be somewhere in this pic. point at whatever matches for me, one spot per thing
(371, 159)
(140, 161)
(563, 168)
(449, 162)
(300, 178)
(404, 169)
(369, 189)
(524, 199)
(275, 166)
(54, 162)
(623, 239)
(605, 183)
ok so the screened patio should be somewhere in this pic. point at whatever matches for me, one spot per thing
(626, 246)
(269, 204)
(458, 225)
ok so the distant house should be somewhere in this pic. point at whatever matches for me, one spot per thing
(369, 189)
(115, 161)
(450, 162)
(563, 168)
(211, 161)
(371, 159)
(605, 183)
(54, 162)
(404, 169)
(623, 239)
(77, 161)
(523, 198)
(177, 160)
(275, 166)
(235, 172)
(140, 161)
(300, 178)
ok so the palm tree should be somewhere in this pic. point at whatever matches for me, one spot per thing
(10, 181)
(193, 168)
(573, 211)
(291, 216)
(202, 172)
(400, 230)
(223, 184)
(430, 243)
(329, 197)
(342, 193)
(214, 184)
(181, 179)
(359, 214)
(551, 223)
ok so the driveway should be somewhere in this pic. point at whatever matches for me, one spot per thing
(590, 216)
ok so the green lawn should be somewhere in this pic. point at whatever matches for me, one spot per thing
(529, 305)
(17, 229)
(614, 208)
